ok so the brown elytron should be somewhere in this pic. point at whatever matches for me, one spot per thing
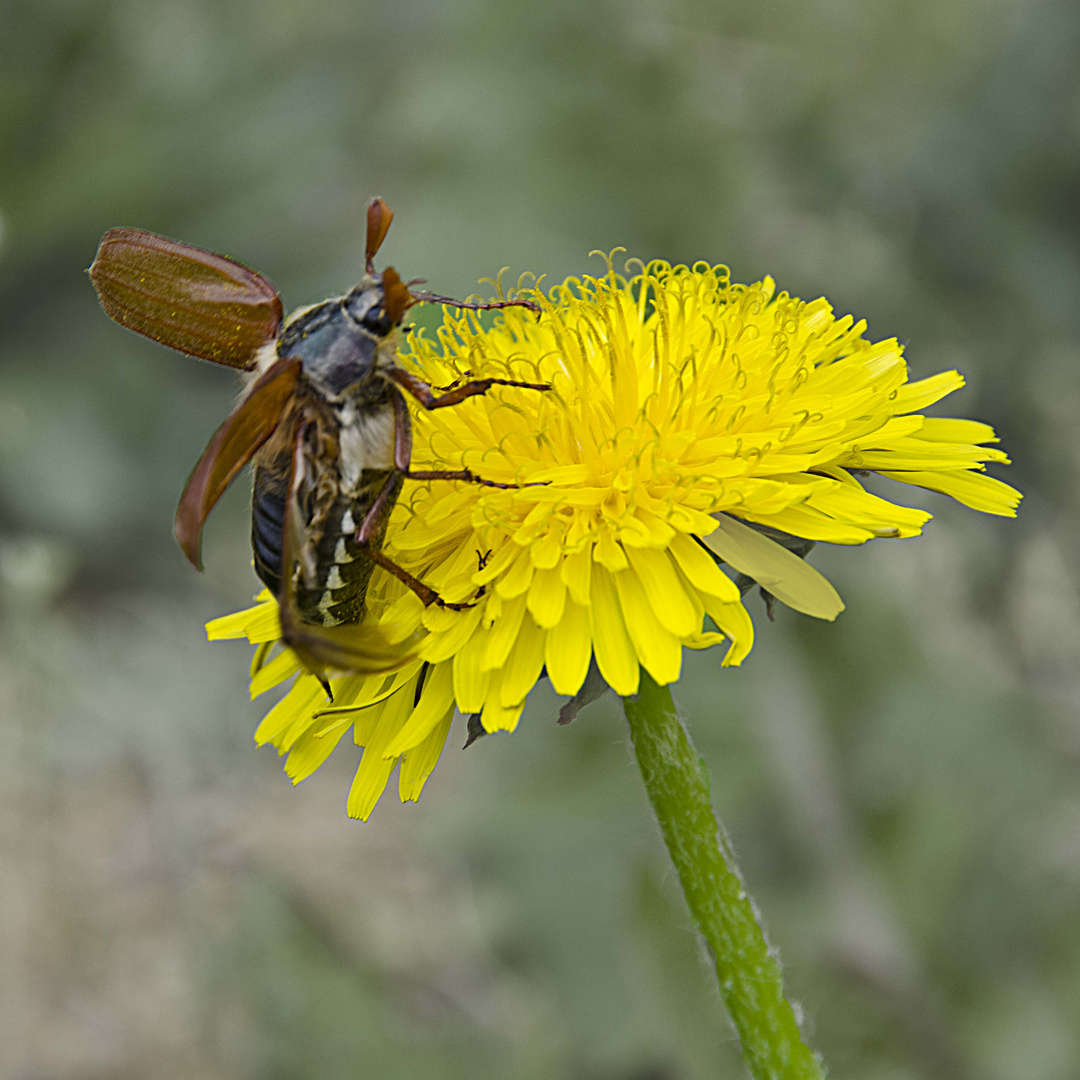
(323, 420)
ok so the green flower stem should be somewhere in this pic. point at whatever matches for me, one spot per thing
(750, 981)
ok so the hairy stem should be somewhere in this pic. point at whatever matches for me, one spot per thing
(750, 981)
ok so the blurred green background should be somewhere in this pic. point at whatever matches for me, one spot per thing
(902, 786)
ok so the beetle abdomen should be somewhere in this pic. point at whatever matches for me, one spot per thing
(335, 592)
(267, 518)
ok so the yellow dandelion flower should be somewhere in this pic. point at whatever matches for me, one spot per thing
(692, 424)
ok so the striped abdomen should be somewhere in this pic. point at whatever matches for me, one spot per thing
(342, 571)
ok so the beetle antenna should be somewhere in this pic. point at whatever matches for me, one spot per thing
(435, 298)
(379, 216)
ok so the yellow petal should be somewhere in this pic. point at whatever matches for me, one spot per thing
(615, 653)
(971, 432)
(441, 646)
(705, 640)
(517, 578)
(666, 595)
(568, 650)
(576, 571)
(402, 618)
(735, 622)
(258, 657)
(812, 524)
(547, 597)
(418, 763)
(436, 697)
(849, 501)
(608, 552)
(356, 692)
(659, 531)
(499, 717)
(974, 489)
(300, 701)
(497, 564)
(260, 623)
(374, 769)
(935, 457)
(276, 671)
(523, 666)
(503, 634)
(366, 721)
(633, 532)
(917, 395)
(790, 579)
(545, 552)
(561, 476)
(700, 567)
(495, 716)
(312, 749)
(659, 650)
(471, 679)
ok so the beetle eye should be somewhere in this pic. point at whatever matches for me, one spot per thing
(376, 322)
(366, 306)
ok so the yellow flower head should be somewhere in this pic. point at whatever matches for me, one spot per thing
(692, 423)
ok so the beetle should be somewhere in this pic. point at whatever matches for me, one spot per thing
(323, 418)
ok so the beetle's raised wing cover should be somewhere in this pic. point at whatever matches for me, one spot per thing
(234, 444)
(195, 301)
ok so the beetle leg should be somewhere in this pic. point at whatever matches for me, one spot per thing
(430, 400)
(458, 474)
(371, 526)
(403, 452)
(427, 594)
